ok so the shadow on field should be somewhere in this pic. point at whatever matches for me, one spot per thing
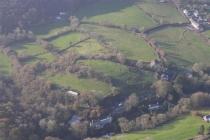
(104, 7)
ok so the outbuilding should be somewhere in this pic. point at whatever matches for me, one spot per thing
(72, 93)
(206, 118)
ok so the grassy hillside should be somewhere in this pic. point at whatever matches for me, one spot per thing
(118, 71)
(35, 52)
(131, 46)
(162, 12)
(182, 47)
(83, 85)
(207, 33)
(5, 64)
(119, 12)
(63, 42)
(89, 47)
(182, 128)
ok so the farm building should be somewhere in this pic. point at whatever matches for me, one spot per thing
(99, 124)
(206, 118)
(153, 107)
(195, 24)
(72, 93)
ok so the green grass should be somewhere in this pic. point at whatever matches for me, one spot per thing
(131, 46)
(111, 69)
(37, 53)
(207, 33)
(120, 12)
(63, 42)
(89, 47)
(5, 65)
(117, 71)
(182, 47)
(182, 128)
(83, 85)
(162, 12)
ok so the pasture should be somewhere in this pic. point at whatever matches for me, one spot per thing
(182, 128)
(5, 65)
(117, 71)
(127, 43)
(161, 12)
(182, 47)
(65, 41)
(117, 12)
(33, 52)
(83, 85)
(207, 33)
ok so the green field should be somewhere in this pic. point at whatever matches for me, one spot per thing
(5, 64)
(64, 41)
(162, 12)
(119, 12)
(35, 52)
(131, 46)
(83, 85)
(182, 128)
(182, 47)
(207, 33)
(89, 47)
(117, 71)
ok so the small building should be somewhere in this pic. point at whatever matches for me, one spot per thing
(62, 13)
(99, 124)
(195, 24)
(72, 93)
(153, 107)
(58, 18)
(185, 11)
(206, 118)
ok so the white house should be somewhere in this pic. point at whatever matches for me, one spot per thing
(195, 24)
(62, 13)
(99, 124)
(72, 93)
(185, 12)
(206, 118)
(153, 107)
(58, 18)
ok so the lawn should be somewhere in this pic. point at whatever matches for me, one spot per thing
(120, 12)
(182, 47)
(117, 71)
(162, 12)
(5, 65)
(83, 85)
(131, 46)
(182, 128)
(207, 33)
(89, 47)
(35, 52)
(64, 41)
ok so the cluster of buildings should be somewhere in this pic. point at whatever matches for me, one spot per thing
(61, 15)
(198, 19)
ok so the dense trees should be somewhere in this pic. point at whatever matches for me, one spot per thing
(23, 13)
